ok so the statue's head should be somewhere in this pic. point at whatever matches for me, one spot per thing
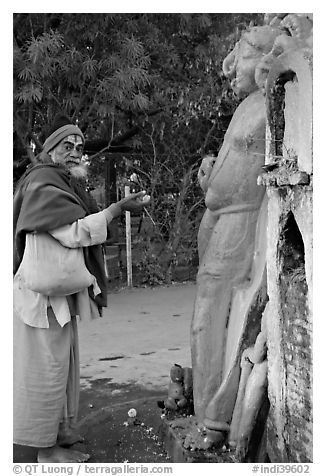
(241, 63)
(252, 57)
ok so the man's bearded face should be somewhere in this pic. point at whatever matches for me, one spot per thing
(69, 153)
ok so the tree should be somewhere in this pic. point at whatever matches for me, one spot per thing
(150, 82)
(80, 65)
(108, 72)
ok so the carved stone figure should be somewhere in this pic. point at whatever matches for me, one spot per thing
(231, 240)
(180, 389)
(229, 380)
(251, 392)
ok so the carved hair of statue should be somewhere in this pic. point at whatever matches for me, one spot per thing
(295, 33)
(254, 44)
(261, 38)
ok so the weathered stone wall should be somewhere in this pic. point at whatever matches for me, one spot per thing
(289, 258)
(289, 430)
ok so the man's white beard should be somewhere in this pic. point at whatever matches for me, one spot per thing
(79, 171)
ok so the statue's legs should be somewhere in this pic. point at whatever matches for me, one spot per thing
(226, 252)
(207, 352)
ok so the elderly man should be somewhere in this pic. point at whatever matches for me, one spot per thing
(50, 198)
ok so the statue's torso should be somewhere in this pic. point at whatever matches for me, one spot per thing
(233, 180)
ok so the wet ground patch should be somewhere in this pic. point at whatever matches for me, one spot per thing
(116, 357)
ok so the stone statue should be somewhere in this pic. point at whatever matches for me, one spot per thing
(231, 241)
(228, 341)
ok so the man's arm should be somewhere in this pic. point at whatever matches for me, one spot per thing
(92, 229)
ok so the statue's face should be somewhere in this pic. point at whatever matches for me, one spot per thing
(247, 59)
(240, 66)
(241, 63)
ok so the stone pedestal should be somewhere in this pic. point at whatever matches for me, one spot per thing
(173, 434)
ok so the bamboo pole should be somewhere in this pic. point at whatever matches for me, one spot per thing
(128, 242)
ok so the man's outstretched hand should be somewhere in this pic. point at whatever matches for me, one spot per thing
(134, 202)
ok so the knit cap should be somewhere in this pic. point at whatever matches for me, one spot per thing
(61, 128)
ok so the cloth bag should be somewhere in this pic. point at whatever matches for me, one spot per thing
(52, 269)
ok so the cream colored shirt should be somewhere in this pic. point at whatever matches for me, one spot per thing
(32, 307)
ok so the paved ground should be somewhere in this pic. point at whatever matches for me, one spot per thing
(142, 333)
(125, 361)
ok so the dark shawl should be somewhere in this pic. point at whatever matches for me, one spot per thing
(47, 197)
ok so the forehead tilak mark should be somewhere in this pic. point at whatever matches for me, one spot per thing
(74, 139)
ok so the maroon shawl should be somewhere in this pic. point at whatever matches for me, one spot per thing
(48, 197)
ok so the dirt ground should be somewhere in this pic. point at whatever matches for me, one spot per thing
(125, 358)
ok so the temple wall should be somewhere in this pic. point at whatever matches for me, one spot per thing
(289, 261)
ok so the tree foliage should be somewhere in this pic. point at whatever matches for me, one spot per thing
(110, 71)
(151, 80)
